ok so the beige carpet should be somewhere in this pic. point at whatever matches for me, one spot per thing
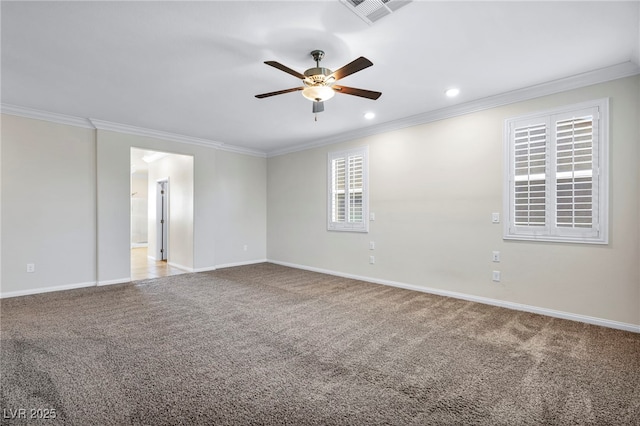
(265, 344)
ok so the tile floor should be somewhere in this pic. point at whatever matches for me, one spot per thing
(144, 268)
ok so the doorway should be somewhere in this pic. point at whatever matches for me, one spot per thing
(161, 223)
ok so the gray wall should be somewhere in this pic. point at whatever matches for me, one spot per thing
(433, 188)
(48, 204)
(66, 205)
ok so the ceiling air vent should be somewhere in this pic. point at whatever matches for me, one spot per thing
(372, 10)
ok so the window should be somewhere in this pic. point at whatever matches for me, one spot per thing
(556, 175)
(347, 202)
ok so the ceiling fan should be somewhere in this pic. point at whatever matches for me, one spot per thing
(318, 83)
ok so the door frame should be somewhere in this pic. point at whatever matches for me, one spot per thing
(162, 219)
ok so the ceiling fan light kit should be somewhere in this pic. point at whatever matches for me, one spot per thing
(318, 82)
(318, 93)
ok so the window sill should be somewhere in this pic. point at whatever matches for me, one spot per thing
(554, 239)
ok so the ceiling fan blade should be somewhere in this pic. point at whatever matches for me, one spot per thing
(279, 92)
(352, 67)
(285, 69)
(369, 94)
(318, 106)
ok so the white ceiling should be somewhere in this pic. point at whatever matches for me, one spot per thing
(193, 68)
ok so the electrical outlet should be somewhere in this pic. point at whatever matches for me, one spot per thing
(496, 276)
(372, 245)
(496, 256)
(31, 267)
(495, 217)
(372, 216)
(372, 259)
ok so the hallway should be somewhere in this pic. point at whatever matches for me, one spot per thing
(143, 267)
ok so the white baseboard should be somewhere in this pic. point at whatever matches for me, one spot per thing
(205, 269)
(29, 292)
(229, 265)
(179, 266)
(118, 281)
(479, 299)
(139, 245)
(243, 263)
(221, 266)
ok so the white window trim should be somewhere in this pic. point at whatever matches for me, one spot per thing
(602, 171)
(349, 226)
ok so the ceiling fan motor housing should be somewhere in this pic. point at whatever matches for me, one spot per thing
(318, 75)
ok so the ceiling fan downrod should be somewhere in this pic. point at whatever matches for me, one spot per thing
(317, 56)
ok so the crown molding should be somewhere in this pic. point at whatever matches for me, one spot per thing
(626, 69)
(602, 75)
(95, 124)
(52, 117)
(242, 150)
(150, 133)
(158, 134)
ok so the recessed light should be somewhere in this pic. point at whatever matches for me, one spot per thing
(453, 92)
(369, 115)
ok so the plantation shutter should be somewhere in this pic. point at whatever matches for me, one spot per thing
(355, 188)
(556, 185)
(347, 190)
(530, 162)
(339, 208)
(576, 176)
